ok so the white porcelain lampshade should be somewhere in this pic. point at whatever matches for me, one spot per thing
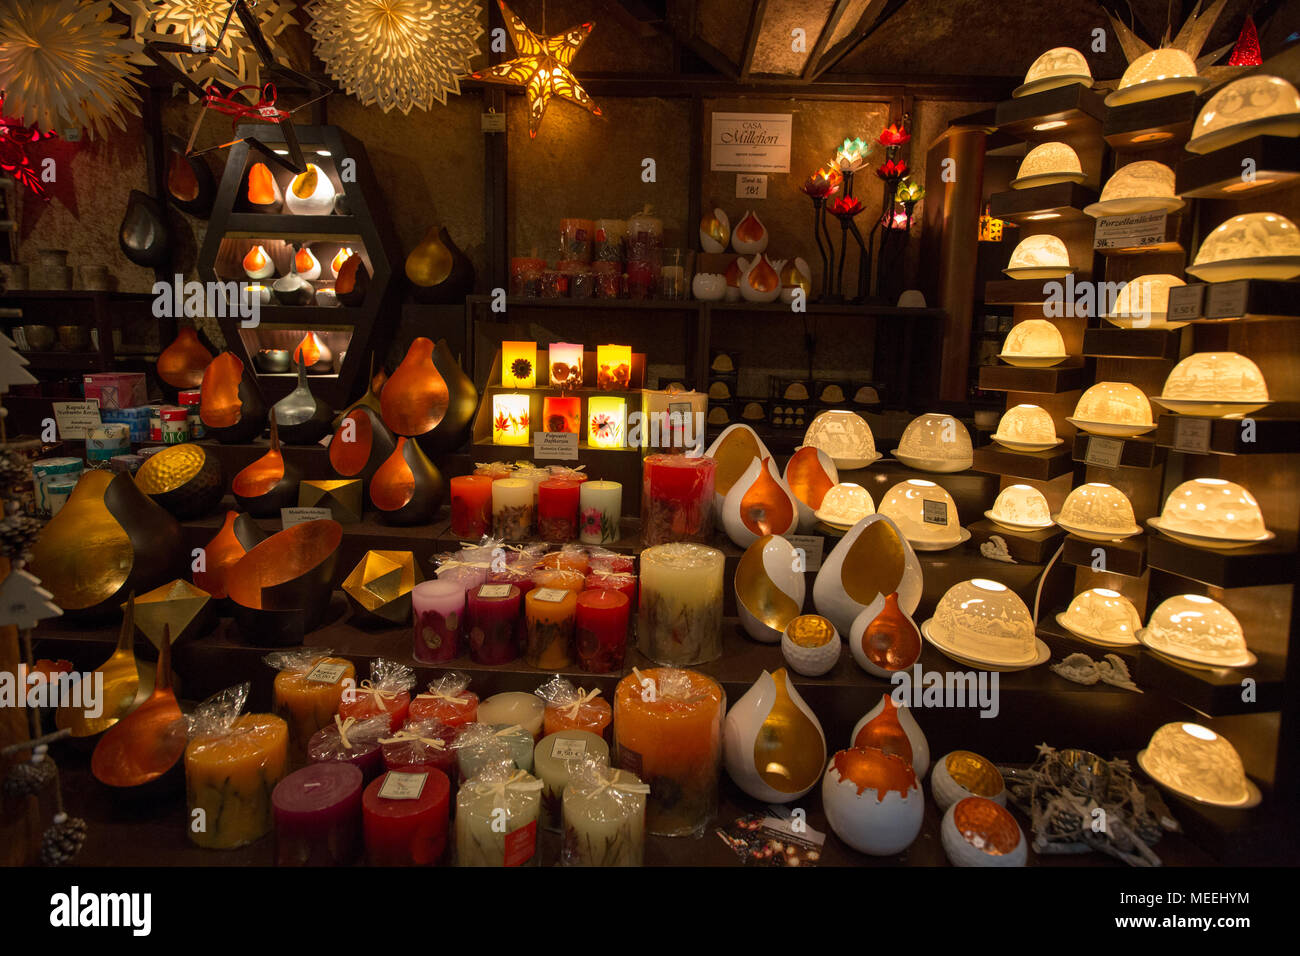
(1197, 763)
(925, 513)
(1161, 72)
(1198, 629)
(1048, 163)
(935, 442)
(1099, 512)
(1144, 186)
(311, 193)
(1039, 257)
(1034, 343)
(845, 504)
(1026, 428)
(1059, 66)
(1258, 105)
(1256, 245)
(1103, 616)
(1212, 512)
(1113, 408)
(1215, 383)
(1143, 303)
(845, 436)
(1021, 508)
(985, 623)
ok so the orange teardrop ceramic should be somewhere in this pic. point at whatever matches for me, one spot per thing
(346, 277)
(788, 749)
(348, 458)
(307, 351)
(260, 476)
(430, 262)
(807, 478)
(394, 482)
(181, 364)
(340, 257)
(255, 260)
(261, 185)
(147, 742)
(871, 769)
(415, 397)
(885, 733)
(762, 277)
(121, 684)
(303, 260)
(891, 641)
(181, 181)
(765, 506)
(283, 557)
(749, 229)
(987, 826)
(219, 556)
(732, 274)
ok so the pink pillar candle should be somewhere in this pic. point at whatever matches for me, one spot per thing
(318, 815)
(438, 613)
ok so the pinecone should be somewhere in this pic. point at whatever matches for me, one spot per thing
(29, 778)
(14, 469)
(18, 533)
(63, 840)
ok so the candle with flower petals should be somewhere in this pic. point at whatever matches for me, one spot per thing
(471, 506)
(437, 612)
(599, 512)
(557, 510)
(448, 699)
(601, 631)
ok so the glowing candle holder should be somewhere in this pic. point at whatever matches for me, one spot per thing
(258, 264)
(845, 504)
(519, 364)
(1098, 512)
(606, 421)
(510, 425)
(1144, 186)
(936, 442)
(1059, 66)
(1026, 428)
(1199, 630)
(1223, 384)
(1035, 343)
(1195, 762)
(1048, 163)
(1039, 257)
(311, 193)
(1118, 409)
(925, 513)
(1102, 616)
(1257, 105)
(562, 414)
(565, 364)
(1020, 508)
(984, 623)
(1162, 72)
(845, 436)
(1143, 303)
(263, 190)
(613, 367)
(1212, 513)
(1257, 245)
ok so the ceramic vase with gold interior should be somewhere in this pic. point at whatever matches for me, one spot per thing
(181, 364)
(462, 402)
(963, 773)
(407, 488)
(108, 540)
(280, 590)
(184, 479)
(773, 745)
(303, 418)
(759, 504)
(890, 726)
(437, 270)
(230, 405)
(239, 534)
(269, 483)
(312, 352)
(871, 561)
(769, 586)
(415, 398)
(978, 832)
(379, 587)
(886, 641)
(733, 451)
(353, 281)
(122, 688)
(873, 801)
(809, 474)
(361, 444)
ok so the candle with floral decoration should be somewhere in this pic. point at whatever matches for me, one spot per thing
(562, 413)
(512, 508)
(677, 499)
(603, 814)
(307, 691)
(519, 364)
(557, 510)
(680, 619)
(232, 765)
(438, 616)
(510, 421)
(497, 815)
(606, 421)
(551, 762)
(601, 628)
(550, 614)
(600, 511)
(613, 367)
(565, 360)
(492, 622)
(447, 699)
(471, 506)
(421, 745)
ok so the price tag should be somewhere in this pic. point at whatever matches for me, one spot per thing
(76, 419)
(326, 673)
(568, 748)
(402, 786)
(1104, 452)
(494, 591)
(292, 516)
(561, 446)
(520, 845)
(1185, 302)
(1129, 232)
(1226, 300)
(934, 512)
(492, 122)
(550, 595)
(751, 186)
(811, 545)
(1192, 435)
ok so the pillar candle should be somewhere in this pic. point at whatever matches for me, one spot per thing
(613, 581)
(514, 707)
(565, 360)
(606, 421)
(437, 612)
(560, 579)
(405, 830)
(480, 839)
(308, 699)
(534, 475)
(550, 619)
(422, 744)
(512, 508)
(604, 817)
(551, 765)
(566, 559)
(230, 778)
(669, 733)
(492, 621)
(584, 712)
(318, 815)
(477, 745)
(676, 499)
(611, 562)
(448, 700)
(471, 506)
(680, 620)
(519, 365)
(557, 510)
(600, 510)
(600, 631)
(524, 273)
(355, 742)
(562, 414)
(372, 701)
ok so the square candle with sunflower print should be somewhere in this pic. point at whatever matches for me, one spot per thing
(519, 364)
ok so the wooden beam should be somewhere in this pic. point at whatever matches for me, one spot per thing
(823, 38)
(751, 37)
(886, 9)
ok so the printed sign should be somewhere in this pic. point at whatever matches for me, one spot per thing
(292, 516)
(1129, 232)
(1192, 435)
(1104, 452)
(550, 595)
(751, 187)
(1185, 302)
(494, 591)
(76, 419)
(934, 512)
(326, 673)
(812, 545)
(1226, 300)
(568, 748)
(402, 786)
(562, 446)
(751, 142)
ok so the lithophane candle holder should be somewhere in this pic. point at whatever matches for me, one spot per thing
(1212, 513)
(562, 414)
(1034, 343)
(606, 421)
(1144, 186)
(1195, 762)
(1257, 105)
(1162, 72)
(519, 364)
(1048, 163)
(510, 425)
(1039, 257)
(1059, 66)
(565, 361)
(1198, 630)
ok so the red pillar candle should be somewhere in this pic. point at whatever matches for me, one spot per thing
(406, 830)
(351, 741)
(318, 815)
(612, 562)
(387, 692)
(557, 510)
(492, 619)
(447, 699)
(601, 634)
(420, 745)
(471, 506)
(562, 413)
(613, 581)
(676, 499)
(438, 621)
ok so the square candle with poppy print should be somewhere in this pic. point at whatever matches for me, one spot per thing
(562, 414)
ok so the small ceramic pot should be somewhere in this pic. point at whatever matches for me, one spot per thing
(979, 832)
(962, 774)
(810, 645)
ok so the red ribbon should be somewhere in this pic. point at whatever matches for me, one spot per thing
(264, 109)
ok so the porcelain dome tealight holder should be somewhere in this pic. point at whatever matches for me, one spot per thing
(1255, 245)
(1047, 164)
(873, 801)
(1027, 428)
(750, 236)
(773, 745)
(715, 232)
(845, 436)
(1198, 630)
(1059, 66)
(311, 193)
(1254, 105)
(1098, 512)
(1165, 71)
(1034, 343)
(758, 504)
(890, 727)
(1042, 256)
(1220, 384)
(984, 624)
(770, 587)
(1143, 303)
(1144, 186)
(871, 561)
(937, 443)
(1102, 616)
(885, 641)
(1020, 508)
(1196, 763)
(809, 474)
(1212, 513)
(845, 505)
(733, 451)
(926, 514)
(810, 645)
(1113, 409)
(978, 832)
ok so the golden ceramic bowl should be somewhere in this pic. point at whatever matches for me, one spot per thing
(1098, 512)
(963, 774)
(1257, 105)
(1198, 629)
(1102, 616)
(1214, 383)
(1212, 512)
(185, 479)
(1196, 763)
(1256, 245)
(985, 624)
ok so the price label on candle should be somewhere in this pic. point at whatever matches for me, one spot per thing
(494, 591)
(934, 512)
(292, 516)
(811, 545)
(550, 595)
(520, 845)
(568, 748)
(326, 673)
(1103, 452)
(561, 446)
(1192, 435)
(76, 419)
(402, 786)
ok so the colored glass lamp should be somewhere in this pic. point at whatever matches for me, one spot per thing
(263, 191)
(519, 364)
(230, 405)
(510, 425)
(184, 479)
(341, 496)
(562, 414)
(379, 587)
(407, 488)
(606, 421)
(565, 360)
(269, 483)
(613, 367)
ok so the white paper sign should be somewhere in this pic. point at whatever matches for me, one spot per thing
(562, 446)
(568, 748)
(1192, 435)
(402, 786)
(751, 142)
(751, 187)
(1104, 452)
(75, 419)
(292, 516)
(812, 545)
(1129, 232)
(934, 512)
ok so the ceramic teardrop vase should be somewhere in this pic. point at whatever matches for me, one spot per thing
(886, 642)
(773, 745)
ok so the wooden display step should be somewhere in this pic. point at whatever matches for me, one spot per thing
(1024, 291)
(1127, 557)
(1075, 108)
(1049, 381)
(1038, 465)
(1109, 341)
(1218, 175)
(1202, 435)
(1271, 563)
(1244, 300)
(1215, 691)
(1150, 123)
(1103, 452)
(1059, 202)
(1032, 547)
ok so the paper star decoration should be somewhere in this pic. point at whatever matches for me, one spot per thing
(542, 68)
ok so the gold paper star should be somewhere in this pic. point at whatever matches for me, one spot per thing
(542, 68)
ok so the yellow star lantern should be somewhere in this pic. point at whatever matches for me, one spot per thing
(542, 68)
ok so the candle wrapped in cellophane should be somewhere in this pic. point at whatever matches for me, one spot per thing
(388, 691)
(603, 814)
(478, 745)
(680, 617)
(573, 708)
(677, 499)
(496, 817)
(448, 699)
(352, 741)
(307, 692)
(422, 744)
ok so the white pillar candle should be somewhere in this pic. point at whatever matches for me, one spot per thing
(514, 707)
(600, 506)
(551, 764)
(604, 825)
(512, 508)
(680, 619)
(485, 836)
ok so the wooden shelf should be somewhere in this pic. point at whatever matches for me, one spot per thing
(1216, 691)
(1110, 341)
(1133, 452)
(1058, 202)
(1047, 381)
(994, 459)
(1246, 300)
(1217, 175)
(1062, 642)
(1150, 123)
(1027, 547)
(66, 361)
(1227, 436)
(1078, 107)
(1271, 563)
(1127, 557)
(251, 225)
(1021, 291)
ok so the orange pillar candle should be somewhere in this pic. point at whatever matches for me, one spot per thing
(584, 711)
(562, 414)
(307, 693)
(563, 579)
(550, 615)
(229, 779)
(471, 506)
(668, 731)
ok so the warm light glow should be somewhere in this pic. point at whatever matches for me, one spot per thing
(613, 367)
(1114, 403)
(510, 425)
(846, 504)
(1022, 505)
(843, 435)
(1098, 508)
(342, 256)
(311, 193)
(853, 154)
(562, 414)
(1214, 508)
(1103, 615)
(990, 228)
(257, 263)
(1199, 629)
(1050, 124)
(519, 364)
(606, 421)
(1143, 179)
(1027, 424)
(985, 621)
(923, 511)
(1144, 302)
(1043, 215)
(1195, 761)
(1216, 377)
(1050, 162)
(1034, 338)
(1227, 252)
(935, 438)
(564, 360)
(1161, 64)
(1269, 104)
(1060, 62)
(1043, 251)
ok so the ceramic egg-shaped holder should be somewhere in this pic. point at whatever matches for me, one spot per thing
(452, 430)
(809, 474)
(353, 281)
(238, 535)
(873, 801)
(759, 504)
(871, 561)
(760, 279)
(314, 354)
(773, 745)
(230, 405)
(257, 263)
(715, 232)
(306, 264)
(184, 479)
(978, 832)
(361, 443)
(962, 774)
(890, 727)
(181, 364)
(407, 488)
(263, 191)
(750, 236)
(268, 484)
(887, 641)
(769, 585)
(303, 418)
(311, 193)
(734, 450)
